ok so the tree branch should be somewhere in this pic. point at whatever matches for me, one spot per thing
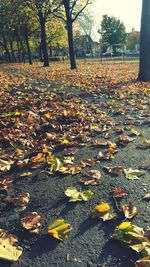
(80, 11)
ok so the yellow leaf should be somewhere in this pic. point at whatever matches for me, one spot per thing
(7, 250)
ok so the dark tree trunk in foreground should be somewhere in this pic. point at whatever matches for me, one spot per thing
(27, 44)
(43, 40)
(144, 67)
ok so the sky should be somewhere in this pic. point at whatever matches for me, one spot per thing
(128, 11)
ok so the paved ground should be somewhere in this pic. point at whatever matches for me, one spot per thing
(89, 243)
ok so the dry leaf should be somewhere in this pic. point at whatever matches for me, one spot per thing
(117, 170)
(100, 143)
(104, 156)
(147, 196)
(32, 222)
(7, 249)
(124, 139)
(69, 169)
(144, 262)
(20, 201)
(144, 143)
(119, 193)
(92, 177)
(5, 165)
(103, 211)
(129, 210)
(87, 162)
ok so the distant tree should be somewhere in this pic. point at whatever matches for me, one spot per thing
(112, 32)
(56, 36)
(41, 9)
(144, 66)
(133, 40)
(83, 44)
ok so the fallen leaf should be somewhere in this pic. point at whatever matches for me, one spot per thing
(129, 210)
(100, 143)
(124, 139)
(69, 169)
(135, 132)
(92, 178)
(93, 174)
(59, 229)
(26, 174)
(87, 162)
(68, 160)
(5, 165)
(104, 156)
(147, 196)
(20, 201)
(119, 193)
(39, 158)
(4, 185)
(112, 148)
(7, 249)
(133, 236)
(103, 211)
(117, 170)
(144, 143)
(75, 195)
(32, 222)
(54, 162)
(144, 262)
(133, 174)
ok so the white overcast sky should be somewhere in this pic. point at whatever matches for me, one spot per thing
(128, 11)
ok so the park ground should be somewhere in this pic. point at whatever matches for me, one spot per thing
(64, 111)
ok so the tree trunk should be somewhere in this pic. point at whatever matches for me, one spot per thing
(40, 53)
(27, 44)
(71, 45)
(144, 66)
(12, 51)
(43, 40)
(18, 48)
(70, 35)
(50, 50)
(6, 48)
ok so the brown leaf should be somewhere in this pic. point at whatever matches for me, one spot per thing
(104, 156)
(93, 178)
(129, 210)
(119, 193)
(100, 143)
(4, 185)
(124, 139)
(20, 201)
(117, 170)
(144, 262)
(87, 162)
(32, 222)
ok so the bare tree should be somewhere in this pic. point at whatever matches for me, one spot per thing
(72, 8)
